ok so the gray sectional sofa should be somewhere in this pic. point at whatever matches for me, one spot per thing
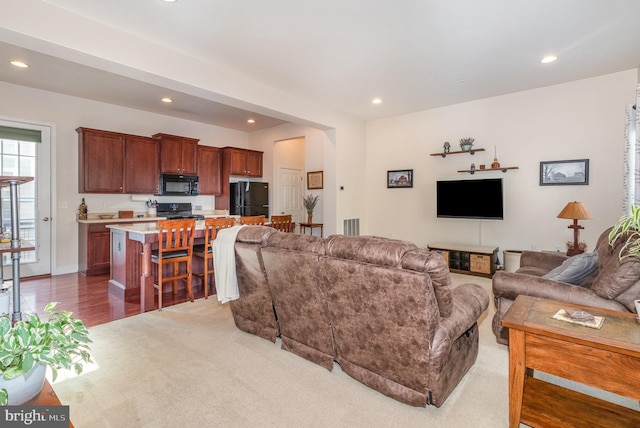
(383, 309)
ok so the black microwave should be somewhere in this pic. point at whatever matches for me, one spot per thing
(178, 185)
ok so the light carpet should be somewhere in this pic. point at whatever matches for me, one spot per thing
(189, 366)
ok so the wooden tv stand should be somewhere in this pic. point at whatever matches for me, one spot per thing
(468, 259)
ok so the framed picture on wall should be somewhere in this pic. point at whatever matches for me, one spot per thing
(400, 178)
(564, 172)
(315, 180)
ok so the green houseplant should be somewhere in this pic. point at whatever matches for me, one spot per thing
(59, 341)
(466, 143)
(309, 203)
(628, 229)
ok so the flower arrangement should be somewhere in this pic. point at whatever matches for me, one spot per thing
(310, 202)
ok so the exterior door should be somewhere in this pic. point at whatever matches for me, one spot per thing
(290, 194)
(28, 158)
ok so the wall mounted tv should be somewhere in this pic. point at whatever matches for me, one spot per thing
(479, 199)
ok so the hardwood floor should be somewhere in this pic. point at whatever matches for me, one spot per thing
(87, 297)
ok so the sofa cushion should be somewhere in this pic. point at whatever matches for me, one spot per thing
(422, 260)
(575, 270)
(369, 249)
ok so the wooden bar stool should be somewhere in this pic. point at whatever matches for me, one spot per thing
(282, 223)
(259, 220)
(211, 227)
(175, 246)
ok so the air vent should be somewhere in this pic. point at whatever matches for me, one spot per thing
(351, 227)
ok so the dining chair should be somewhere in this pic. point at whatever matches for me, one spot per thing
(211, 227)
(175, 247)
(281, 223)
(254, 219)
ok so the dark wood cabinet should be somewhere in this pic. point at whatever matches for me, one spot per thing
(93, 249)
(101, 161)
(142, 165)
(240, 162)
(178, 155)
(247, 163)
(209, 170)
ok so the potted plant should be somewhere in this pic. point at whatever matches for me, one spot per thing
(310, 202)
(627, 228)
(29, 345)
(466, 143)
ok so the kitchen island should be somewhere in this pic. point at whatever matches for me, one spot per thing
(131, 266)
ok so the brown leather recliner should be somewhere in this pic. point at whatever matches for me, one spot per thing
(614, 285)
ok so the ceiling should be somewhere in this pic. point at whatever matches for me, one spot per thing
(413, 54)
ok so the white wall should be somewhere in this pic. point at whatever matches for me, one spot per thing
(575, 120)
(67, 114)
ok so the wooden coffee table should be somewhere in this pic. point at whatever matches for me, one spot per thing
(608, 359)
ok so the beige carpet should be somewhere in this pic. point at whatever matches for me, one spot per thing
(189, 366)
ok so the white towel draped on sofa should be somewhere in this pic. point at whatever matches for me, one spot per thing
(224, 264)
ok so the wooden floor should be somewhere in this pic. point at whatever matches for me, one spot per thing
(87, 297)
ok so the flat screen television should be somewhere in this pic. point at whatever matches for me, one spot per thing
(479, 199)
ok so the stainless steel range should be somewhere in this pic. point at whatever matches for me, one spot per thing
(175, 211)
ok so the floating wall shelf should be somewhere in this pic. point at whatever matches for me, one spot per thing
(444, 155)
(503, 169)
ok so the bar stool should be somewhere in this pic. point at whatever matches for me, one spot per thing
(259, 220)
(281, 222)
(175, 246)
(211, 227)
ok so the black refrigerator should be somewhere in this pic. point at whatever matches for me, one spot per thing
(249, 198)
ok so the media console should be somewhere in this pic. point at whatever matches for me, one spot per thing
(468, 259)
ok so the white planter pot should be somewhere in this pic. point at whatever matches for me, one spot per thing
(23, 388)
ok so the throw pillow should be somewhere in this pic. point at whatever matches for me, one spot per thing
(575, 269)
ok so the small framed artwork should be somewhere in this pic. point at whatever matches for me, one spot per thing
(400, 178)
(315, 180)
(564, 172)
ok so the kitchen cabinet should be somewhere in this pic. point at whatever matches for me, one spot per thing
(239, 162)
(247, 163)
(93, 249)
(178, 155)
(209, 170)
(101, 161)
(142, 165)
(112, 162)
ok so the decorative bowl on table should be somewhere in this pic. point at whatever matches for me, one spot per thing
(106, 216)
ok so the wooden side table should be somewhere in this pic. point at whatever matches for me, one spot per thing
(607, 358)
(311, 226)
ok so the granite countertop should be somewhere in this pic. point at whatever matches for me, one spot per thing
(138, 217)
(145, 228)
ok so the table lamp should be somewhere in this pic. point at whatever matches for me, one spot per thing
(575, 211)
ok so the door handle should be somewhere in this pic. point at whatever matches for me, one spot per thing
(45, 219)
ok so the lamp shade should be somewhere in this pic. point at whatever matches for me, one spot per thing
(575, 210)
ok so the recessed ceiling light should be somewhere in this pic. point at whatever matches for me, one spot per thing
(376, 101)
(251, 121)
(549, 58)
(169, 1)
(167, 100)
(19, 64)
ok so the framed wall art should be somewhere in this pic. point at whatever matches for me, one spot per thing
(315, 180)
(400, 178)
(564, 172)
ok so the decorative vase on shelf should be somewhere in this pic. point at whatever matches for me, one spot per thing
(309, 217)
(495, 164)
